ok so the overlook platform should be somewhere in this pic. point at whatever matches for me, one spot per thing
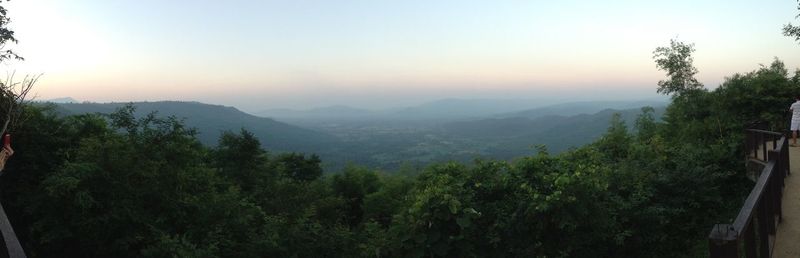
(787, 239)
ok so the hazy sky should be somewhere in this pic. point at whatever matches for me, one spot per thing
(372, 53)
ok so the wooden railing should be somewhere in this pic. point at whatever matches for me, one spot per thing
(753, 231)
(10, 241)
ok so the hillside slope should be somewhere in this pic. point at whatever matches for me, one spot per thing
(212, 120)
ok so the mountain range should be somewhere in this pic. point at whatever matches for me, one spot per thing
(454, 109)
(389, 138)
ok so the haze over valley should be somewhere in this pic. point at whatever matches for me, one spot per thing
(439, 131)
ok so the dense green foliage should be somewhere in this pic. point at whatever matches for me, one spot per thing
(126, 186)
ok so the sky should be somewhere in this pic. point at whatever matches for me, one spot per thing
(263, 54)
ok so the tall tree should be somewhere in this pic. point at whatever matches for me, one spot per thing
(790, 30)
(13, 94)
(6, 36)
(677, 61)
(240, 158)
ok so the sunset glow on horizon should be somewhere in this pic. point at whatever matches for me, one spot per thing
(377, 54)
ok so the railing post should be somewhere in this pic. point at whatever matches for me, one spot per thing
(723, 242)
(763, 141)
(786, 156)
(755, 145)
(763, 229)
(775, 142)
(750, 240)
(748, 144)
(775, 184)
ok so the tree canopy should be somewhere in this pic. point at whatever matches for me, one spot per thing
(677, 61)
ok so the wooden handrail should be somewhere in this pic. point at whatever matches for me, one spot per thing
(9, 237)
(762, 209)
(765, 132)
(757, 142)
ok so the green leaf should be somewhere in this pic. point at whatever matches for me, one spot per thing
(464, 222)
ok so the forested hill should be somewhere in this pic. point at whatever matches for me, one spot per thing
(514, 136)
(211, 120)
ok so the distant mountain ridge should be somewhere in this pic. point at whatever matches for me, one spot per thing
(585, 107)
(60, 100)
(337, 112)
(456, 109)
(466, 108)
(212, 120)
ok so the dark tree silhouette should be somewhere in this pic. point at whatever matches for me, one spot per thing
(790, 30)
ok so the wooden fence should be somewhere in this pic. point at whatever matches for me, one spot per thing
(753, 231)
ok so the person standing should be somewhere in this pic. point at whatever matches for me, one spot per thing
(795, 126)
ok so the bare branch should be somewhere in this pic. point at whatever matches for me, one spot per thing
(13, 98)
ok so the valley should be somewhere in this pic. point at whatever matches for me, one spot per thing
(390, 139)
